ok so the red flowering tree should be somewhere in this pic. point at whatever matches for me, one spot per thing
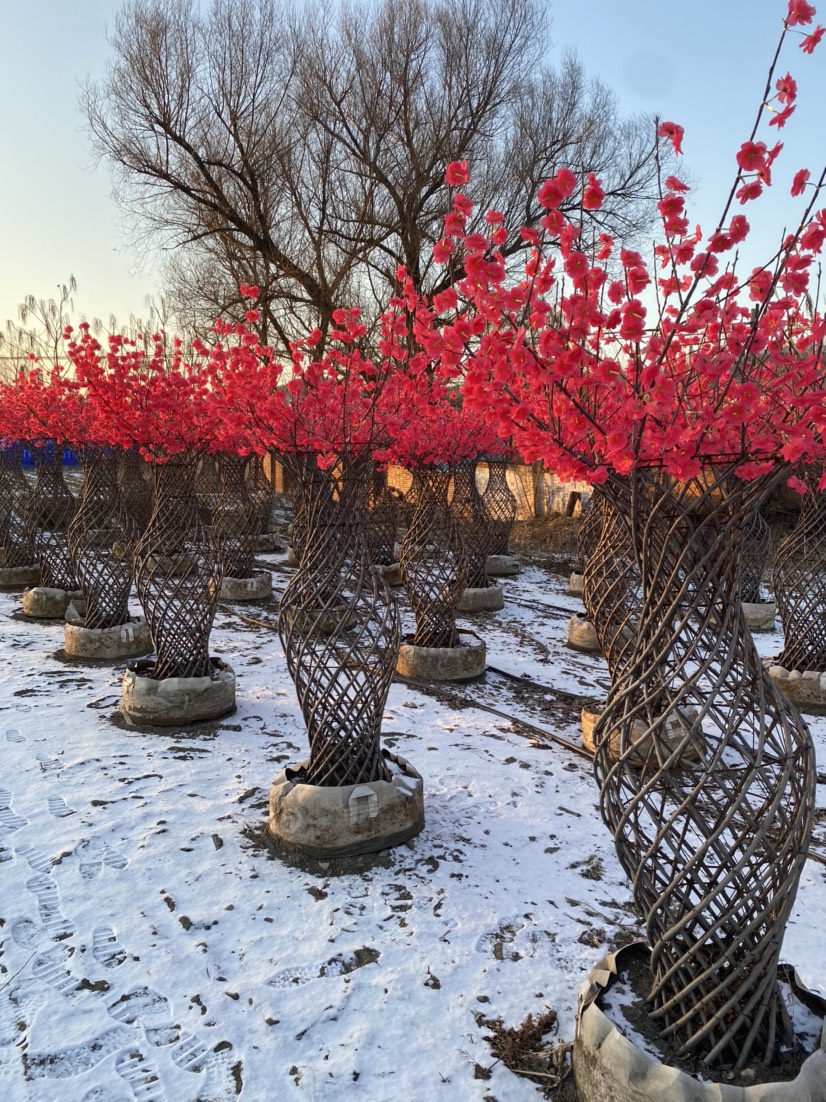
(35, 412)
(325, 416)
(445, 549)
(685, 419)
(142, 393)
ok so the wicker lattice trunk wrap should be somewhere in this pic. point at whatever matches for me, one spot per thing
(102, 539)
(757, 549)
(339, 625)
(15, 535)
(381, 519)
(500, 505)
(611, 587)
(208, 487)
(178, 574)
(434, 563)
(50, 511)
(307, 485)
(714, 843)
(260, 490)
(799, 582)
(473, 522)
(135, 484)
(590, 527)
(236, 519)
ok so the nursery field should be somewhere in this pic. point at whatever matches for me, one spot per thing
(154, 947)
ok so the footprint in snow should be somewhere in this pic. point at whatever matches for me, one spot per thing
(26, 933)
(192, 1054)
(47, 764)
(19, 1003)
(59, 808)
(36, 858)
(14, 735)
(77, 1059)
(93, 853)
(144, 1007)
(106, 949)
(9, 819)
(50, 967)
(48, 902)
(142, 1077)
(339, 965)
(495, 940)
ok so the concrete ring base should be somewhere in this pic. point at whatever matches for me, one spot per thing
(676, 728)
(177, 700)
(292, 558)
(488, 599)
(581, 634)
(502, 565)
(15, 577)
(575, 585)
(608, 1067)
(760, 616)
(807, 689)
(392, 574)
(443, 663)
(123, 641)
(256, 588)
(46, 603)
(327, 822)
(269, 541)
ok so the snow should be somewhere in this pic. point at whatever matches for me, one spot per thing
(152, 949)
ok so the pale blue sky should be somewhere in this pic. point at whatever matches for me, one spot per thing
(701, 64)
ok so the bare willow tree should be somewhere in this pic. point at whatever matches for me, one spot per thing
(303, 149)
(38, 330)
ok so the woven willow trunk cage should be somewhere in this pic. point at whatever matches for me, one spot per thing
(102, 539)
(381, 519)
(308, 485)
(474, 523)
(757, 549)
(339, 625)
(611, 590)
(434, 563)
(500, 505)
(178, 574)
(236, 518)
(799, 582)
(590, 527)
(50, 511)
(714, 847)
(261, 490)
(15, 534)
(135, 484)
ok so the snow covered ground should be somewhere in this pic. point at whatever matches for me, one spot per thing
(152, 949)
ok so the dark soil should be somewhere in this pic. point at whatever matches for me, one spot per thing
(635, 975)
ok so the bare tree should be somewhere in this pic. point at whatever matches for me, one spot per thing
(304, 149)
(38, 332)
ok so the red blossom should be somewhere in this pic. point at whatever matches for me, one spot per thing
(799, 13)
(750, 191)
(786, 89)
(812, 40)
(674, 133)
(457, 174)
(751, 156)
(593, 195)
(673, 184)
(800, 180)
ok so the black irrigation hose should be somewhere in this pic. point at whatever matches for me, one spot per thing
(432, 688)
